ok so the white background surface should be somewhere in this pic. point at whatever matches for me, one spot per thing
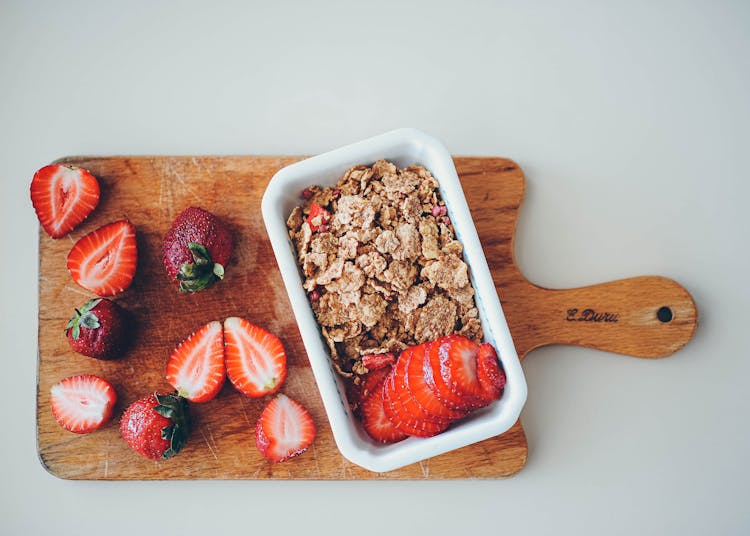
(632, 124)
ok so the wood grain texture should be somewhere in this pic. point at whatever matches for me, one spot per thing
(151, 191)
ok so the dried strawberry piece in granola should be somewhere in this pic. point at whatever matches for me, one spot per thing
(318, 218)
(378, 361)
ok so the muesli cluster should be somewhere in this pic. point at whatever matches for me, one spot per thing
(382, 266)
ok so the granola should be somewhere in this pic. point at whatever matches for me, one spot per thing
(381, 263)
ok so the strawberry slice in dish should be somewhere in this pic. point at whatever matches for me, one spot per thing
(284, 430)
(196, 367)
(422, 393)
(489, 372)
(399, 415)
(405, 396)
(104, 261)
(374, 419)
(63, 196)
(356, 394)
(255, 358)
(452, 373)
(82, 403)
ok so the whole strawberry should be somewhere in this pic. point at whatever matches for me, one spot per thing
(156, 426)
(98, 329)
(196, 249)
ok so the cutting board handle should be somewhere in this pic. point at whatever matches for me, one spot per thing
(647, 317)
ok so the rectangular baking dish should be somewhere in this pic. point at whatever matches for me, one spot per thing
(403, 147)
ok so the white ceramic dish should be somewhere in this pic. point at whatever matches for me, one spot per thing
(402, 147)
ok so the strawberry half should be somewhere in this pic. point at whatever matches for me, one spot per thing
(82, 403)
(255, 358)
(63, 196)
(284, 430)
(375, 421)
(196, 367)
(104, 260)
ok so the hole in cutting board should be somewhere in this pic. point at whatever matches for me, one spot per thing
(664, 314)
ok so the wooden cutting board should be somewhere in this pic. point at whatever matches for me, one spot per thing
(622, 316)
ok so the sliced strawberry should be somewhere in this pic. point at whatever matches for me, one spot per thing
(401, 418)
(82, 403)
(318, 218)
(104, 260)
(356, 393)
(196, 366)
(422, 393)
(489, 372)
(374, 419)
(458, 360)
(255, 358)
(63, 196)
(378, 361)
(406, 398)
(285, 429)
(438, 376)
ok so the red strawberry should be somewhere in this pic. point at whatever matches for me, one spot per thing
(196, 249)
(422, 392)
(104, 260)
(369, 383)
(98, 329)
(156, 426)
(400, 416)
(490, 374)
(318, 218)
(63, 196)
(378, 361)
(406, 398)
(458, 359)
(375, 421)
(452, 373)
(284, 430)
(82, 403)
(255, 358)
(196, 366)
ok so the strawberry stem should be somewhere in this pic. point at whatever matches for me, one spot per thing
(201, 273)
(83, 317)
(175, 408)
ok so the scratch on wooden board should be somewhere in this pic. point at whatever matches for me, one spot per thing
(425, 469)
(176, 175)
(200, 165)
(106, 462)
(345, 468)
(208, 444)
(76, 290)
(244, 412)
(314, 453)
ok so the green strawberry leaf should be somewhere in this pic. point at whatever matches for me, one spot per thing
(83, 317)
(90, 320)
(176, 409)
(201, 273)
